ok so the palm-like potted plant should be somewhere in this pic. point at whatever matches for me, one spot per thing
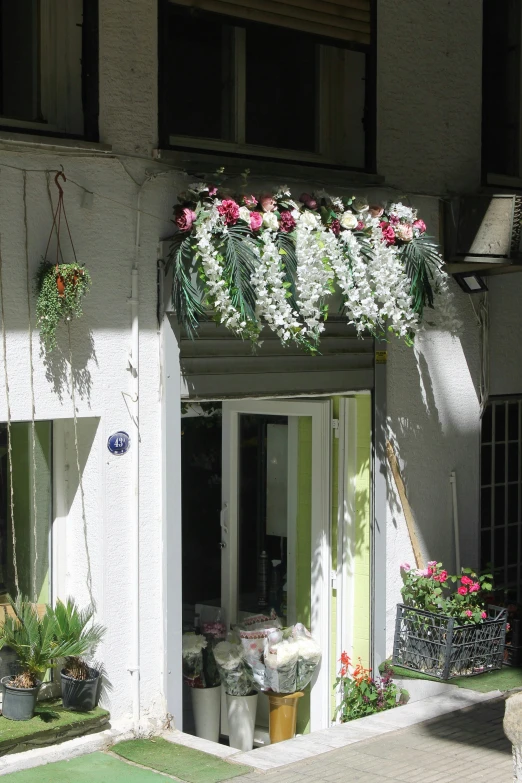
(34, 641)
(73, 627)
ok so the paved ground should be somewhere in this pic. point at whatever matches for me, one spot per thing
(463, 746)
(468, 745)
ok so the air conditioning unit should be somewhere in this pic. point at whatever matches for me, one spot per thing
(482, 233)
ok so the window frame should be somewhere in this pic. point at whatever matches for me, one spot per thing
(239, 148)
(68, 83)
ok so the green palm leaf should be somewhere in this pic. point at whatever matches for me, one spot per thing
(239, 262)
(186, 298)
(421, 258)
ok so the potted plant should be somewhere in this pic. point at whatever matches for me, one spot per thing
(60, 288)
(238, 681)
(34, 641)
(73, 629)
(362, 694)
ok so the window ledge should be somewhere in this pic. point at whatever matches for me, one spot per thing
(29, 140)
(504, 181)
(204, 164)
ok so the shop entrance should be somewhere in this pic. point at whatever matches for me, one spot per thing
(256, 521)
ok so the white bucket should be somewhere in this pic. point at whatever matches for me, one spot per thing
(206, 705)
(241, 712)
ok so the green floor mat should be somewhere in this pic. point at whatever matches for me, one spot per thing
(185, 763)
(505, 679)
(93, 768)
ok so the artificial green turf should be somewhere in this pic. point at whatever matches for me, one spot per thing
(50, 719)
(505, 679)
(92, 768)
(188, 764)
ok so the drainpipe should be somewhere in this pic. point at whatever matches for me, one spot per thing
(134, 667)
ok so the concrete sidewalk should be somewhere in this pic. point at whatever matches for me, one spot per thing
(468, 745)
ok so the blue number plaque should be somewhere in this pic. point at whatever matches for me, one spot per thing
(119, 443)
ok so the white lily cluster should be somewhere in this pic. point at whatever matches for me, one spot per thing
(353, 278)
(314, 274)
(268, 281)
(213, 269)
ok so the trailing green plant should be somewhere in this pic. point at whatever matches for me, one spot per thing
(34, 640)
(74, 626)
(362, 694)
(60, 291)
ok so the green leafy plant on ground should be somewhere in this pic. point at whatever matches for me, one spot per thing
(34, 641)
(60, 290)
(73, 626)
(361, 694)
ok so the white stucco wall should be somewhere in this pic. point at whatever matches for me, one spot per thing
(429, 142)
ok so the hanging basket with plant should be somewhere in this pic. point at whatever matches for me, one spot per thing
(60, 286)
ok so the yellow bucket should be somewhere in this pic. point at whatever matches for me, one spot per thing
(283, 715)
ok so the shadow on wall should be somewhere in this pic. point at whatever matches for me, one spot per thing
(58, 362)
(434, 425)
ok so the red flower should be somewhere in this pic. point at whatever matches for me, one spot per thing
(388, 234)
(345, 659)
(483, 615)
(287, 222)
(335, 226)
(229, 211)
(462, 591)
(441, 577)
(474, 588)
(184, 218)
(466, 580)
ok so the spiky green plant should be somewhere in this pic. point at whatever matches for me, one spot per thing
(34, 640)
(73, 626)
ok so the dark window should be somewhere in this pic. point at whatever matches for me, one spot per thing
(501, 494)
(49, 66)
(260, 89)
(501, 130)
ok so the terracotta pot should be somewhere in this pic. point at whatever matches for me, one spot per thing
(60, 284)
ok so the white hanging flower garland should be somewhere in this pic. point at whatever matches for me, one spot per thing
(314, 276)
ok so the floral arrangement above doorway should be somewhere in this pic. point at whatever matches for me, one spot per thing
(270, 259)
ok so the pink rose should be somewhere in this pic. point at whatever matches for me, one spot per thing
(229, 211)
(256, 220)
(376, 211)
(335, 227)
(466, 580)
(388, 234)
(462, 591)
(420, 225)
(468, 613)
(184, 218)
(308, 201)
(474, 588)
(483, 615)
(404, 232)
(212, 190)
(250, 201)
(287, 222)
(432, 563)
(267, 203)
(405, 567)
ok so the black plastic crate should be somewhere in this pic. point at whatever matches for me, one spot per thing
(437, 645)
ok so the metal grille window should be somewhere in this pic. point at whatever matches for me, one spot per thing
(501, 536)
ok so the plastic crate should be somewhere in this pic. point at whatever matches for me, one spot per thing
(438, 645)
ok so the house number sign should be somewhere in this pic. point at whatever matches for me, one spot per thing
(119, 443)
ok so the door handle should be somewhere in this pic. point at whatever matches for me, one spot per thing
(222, 545)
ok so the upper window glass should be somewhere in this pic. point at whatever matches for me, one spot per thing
(228, 84)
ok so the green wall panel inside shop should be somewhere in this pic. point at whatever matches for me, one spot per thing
(304, 548)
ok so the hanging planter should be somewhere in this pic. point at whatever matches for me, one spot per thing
(60, 286)
(269, 260)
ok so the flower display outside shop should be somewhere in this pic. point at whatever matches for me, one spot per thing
(362, 694)
(431, 589)
(256, 260)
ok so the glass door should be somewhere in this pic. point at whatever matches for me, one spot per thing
(275, 522)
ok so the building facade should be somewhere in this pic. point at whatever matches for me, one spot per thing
(116, 534)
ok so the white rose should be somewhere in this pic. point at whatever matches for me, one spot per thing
(244, 214)
(309, 220)
(270, 221)
(360, 205)
(348, 220)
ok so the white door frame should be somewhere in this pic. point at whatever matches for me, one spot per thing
(320, 412)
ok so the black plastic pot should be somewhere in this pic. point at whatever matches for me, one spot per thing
(80, 695)
(18, 703)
